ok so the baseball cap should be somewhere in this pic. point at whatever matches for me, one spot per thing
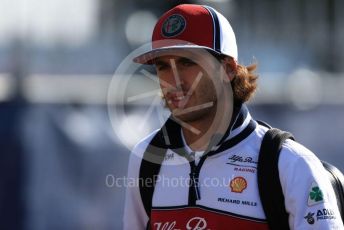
(191, 26)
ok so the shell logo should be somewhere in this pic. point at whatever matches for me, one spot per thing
(238, 184)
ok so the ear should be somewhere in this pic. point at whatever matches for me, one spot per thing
(230, 67)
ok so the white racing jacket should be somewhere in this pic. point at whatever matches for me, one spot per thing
(228, 191)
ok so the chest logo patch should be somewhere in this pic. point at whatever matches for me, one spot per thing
(238, 184)
(242, 161)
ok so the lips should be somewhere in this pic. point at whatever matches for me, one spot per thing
(177, 99)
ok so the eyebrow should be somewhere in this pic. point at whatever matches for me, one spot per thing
(185, 59)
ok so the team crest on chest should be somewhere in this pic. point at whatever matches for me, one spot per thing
(173, 25)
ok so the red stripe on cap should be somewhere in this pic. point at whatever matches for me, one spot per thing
(198, 27)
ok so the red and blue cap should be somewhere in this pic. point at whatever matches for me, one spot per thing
(191, 26)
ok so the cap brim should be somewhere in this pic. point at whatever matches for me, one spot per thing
(148, 57)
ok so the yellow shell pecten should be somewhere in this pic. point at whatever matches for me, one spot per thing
(238, 184)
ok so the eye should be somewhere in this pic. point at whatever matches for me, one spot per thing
(161, 66)
(187, 62)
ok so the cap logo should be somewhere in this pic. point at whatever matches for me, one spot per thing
(173, 25)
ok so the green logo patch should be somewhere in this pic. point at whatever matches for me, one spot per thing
(315, 195)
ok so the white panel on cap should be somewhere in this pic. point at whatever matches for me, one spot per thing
(227, 37)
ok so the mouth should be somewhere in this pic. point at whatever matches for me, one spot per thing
(178, 100)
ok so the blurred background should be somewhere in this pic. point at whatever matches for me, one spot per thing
(57, 58)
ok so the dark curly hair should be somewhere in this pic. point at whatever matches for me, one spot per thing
(244, 83)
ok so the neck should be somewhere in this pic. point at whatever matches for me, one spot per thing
(211, 128)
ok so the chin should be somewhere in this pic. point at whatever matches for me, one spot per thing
(191, 116)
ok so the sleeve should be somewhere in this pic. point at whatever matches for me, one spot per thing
(309, 196)
(135, 216)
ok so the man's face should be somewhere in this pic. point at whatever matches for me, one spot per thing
(187, 81)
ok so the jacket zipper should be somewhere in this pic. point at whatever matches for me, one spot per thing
(194, 189)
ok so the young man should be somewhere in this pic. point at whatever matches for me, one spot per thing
(210, 144)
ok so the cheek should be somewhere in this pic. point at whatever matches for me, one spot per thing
(165, 79)
(163, 91)
(206, 89)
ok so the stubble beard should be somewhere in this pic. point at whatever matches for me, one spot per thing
(206, 105)
(195, 115)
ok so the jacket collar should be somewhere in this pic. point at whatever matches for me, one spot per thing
(240, 127)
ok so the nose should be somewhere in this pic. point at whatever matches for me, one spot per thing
(171, 80)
